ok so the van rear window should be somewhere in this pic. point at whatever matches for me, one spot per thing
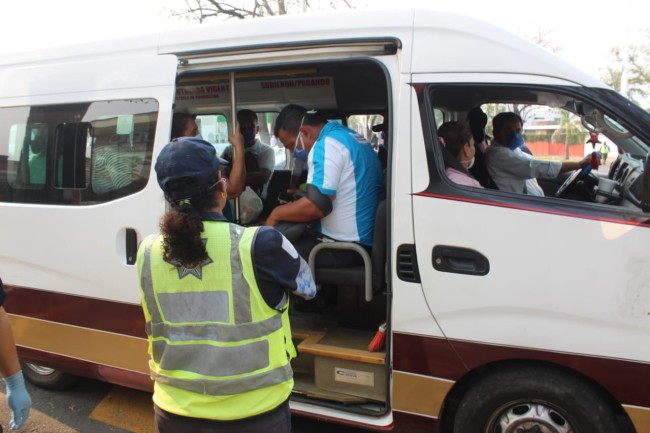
(76, 154)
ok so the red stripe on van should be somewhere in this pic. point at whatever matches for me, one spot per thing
(100, 314)
(628, 381)
(642, 220)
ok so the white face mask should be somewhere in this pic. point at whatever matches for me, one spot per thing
(470, 162)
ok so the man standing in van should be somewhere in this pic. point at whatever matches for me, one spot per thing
(344, 184)
(514, 170)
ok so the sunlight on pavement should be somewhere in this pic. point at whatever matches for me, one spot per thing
(127, 409)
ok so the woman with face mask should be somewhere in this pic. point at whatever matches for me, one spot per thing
(457, 139)
(215, 299)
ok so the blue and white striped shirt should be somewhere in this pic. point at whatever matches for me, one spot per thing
(343, 164)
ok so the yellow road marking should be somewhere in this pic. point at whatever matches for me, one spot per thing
(127, 409)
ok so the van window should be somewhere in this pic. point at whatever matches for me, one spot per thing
(76, 153)
(214, 129)
(364, 123)
(559, 124)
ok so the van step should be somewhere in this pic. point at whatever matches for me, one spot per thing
(349, 345)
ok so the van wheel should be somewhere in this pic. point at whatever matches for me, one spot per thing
(48, 378)
(540, 400)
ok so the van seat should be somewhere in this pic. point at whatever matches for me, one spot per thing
(371, 275)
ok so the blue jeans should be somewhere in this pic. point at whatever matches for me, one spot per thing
(277, 420)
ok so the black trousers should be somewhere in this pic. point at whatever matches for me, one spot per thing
(277, 420)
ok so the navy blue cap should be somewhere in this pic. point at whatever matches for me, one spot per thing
(189, 158)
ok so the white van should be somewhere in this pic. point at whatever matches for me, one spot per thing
(505, 312)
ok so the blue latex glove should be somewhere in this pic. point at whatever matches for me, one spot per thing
(18, 400)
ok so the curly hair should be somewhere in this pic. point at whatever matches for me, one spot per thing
(182, 226)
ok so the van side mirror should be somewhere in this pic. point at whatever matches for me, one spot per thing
(645, 202)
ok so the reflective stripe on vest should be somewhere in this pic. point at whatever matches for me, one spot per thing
(195, 343)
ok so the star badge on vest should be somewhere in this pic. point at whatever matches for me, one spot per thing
(197, 270)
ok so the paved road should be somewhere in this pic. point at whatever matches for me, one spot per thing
(97, 407)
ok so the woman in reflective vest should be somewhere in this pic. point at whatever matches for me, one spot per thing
(215, 300)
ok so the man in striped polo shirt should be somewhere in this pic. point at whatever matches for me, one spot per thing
(344, 184)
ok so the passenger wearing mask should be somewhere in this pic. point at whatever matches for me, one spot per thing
(514, 170)
(259, 157)
(344, 184)
(458, 140)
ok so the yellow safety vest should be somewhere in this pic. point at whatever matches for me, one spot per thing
(218, 351)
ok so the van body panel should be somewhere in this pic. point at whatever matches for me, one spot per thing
(81, 75)
(464, 44)
(537, 306)
(489, 77)
(264, 35)
(566, 282)
(95, 243)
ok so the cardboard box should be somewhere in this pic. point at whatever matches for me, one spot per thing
(351, 377)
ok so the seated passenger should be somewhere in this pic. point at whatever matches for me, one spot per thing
(344, 184)
(458, 140)
(111, 168)
(259, 157)
(184, 125)
(514, 170)
(477, 121)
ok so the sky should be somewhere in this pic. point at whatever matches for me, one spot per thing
(584, 30)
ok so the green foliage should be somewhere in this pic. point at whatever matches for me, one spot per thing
(638, 70)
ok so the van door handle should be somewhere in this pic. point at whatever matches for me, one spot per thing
(131, 239)
(459, 260)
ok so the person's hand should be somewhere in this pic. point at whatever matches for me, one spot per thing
(270, 220)
(237, 139)
(585, 161)
(18, 400)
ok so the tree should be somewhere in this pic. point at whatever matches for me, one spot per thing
(570, 130)
(200, 10)
(638, 70)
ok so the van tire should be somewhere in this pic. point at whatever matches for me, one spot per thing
(48, 378)
(545, 398)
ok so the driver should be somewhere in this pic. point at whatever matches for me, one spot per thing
(514, 170)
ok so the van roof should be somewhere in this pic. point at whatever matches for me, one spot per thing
(444, 42)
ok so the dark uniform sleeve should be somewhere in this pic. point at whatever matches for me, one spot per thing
(2, 294)
(279, 269)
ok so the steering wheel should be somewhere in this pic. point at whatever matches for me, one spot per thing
(572, 180)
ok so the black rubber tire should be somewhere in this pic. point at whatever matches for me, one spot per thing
(546, 398)
(48, 378)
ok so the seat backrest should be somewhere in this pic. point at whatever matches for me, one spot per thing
(378, 255)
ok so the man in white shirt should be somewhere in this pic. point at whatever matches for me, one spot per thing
(516, 171)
